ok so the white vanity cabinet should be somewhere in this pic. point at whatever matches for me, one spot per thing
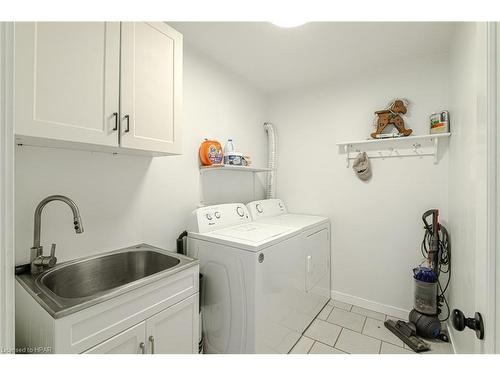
(102, 86)
(159, 318)
(171, 331)
(130, 341)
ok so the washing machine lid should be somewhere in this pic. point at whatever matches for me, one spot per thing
(302, 222)
(251, 236)
(273, 211)
(253, 232)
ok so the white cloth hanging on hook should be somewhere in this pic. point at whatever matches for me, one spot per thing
(361, 167)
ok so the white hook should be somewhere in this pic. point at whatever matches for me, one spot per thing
(415, 148)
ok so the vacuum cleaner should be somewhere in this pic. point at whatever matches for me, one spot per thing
(429, 293)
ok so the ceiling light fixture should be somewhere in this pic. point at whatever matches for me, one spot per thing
(288, 23)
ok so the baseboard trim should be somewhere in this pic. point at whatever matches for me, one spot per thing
(450, 336)
(371, 305)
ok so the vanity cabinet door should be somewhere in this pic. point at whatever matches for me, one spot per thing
(67, 82)
(151, 87)
(130, 341)
(174, 330)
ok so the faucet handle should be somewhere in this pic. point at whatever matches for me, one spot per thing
(44, 261)
(51, 260)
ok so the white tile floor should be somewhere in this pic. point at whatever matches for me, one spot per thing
(341, 328)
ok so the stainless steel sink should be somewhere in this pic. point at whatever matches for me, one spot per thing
(74, 285)
(93, 276)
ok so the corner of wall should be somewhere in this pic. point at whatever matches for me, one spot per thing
(6, 190)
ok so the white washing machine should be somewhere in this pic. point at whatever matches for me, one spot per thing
(315, 234)
(254, 299)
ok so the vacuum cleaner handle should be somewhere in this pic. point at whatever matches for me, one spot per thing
(426, 215)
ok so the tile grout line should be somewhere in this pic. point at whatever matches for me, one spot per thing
(387, 342)
(294, 345)
(324, 343)
(331, 312)
(335, 343)
(364, 323)
(326, 319)
(376, 338)
(359, 333)
(377, 312)
(352, 312)
(309, 351)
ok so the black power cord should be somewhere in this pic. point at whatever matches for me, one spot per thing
(444, 259)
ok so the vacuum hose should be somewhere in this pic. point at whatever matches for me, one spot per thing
(271, 160)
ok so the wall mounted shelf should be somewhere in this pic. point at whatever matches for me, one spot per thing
(416, 145)
(229, 168)
(238, 168)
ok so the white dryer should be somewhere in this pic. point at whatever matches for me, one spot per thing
(254, 300)
(315, 244)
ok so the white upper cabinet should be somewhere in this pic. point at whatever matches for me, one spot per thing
(151, 87)
(67, 81)
(103, 86)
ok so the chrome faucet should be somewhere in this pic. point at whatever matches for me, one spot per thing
(37, 260)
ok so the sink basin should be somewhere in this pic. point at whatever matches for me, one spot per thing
(93, 276)
(72, 286)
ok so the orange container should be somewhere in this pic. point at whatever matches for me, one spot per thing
(211, 152)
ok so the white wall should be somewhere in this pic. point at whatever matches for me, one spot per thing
(467, 187)
(6, 193)
(377, 227)
(125, 200)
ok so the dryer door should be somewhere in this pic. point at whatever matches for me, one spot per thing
(280, 297)
(226, 296)
(317, 252)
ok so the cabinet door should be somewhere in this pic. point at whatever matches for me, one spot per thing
(130, 341)
(67, 81)
(174, 330)
(151, 87)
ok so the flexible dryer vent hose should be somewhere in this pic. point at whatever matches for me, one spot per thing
(271, 160)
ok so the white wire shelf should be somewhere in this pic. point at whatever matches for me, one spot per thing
(232, 168)
(416, 145)
(238, 168)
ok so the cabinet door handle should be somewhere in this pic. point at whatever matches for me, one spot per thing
(142, 347)
(127, 119)
(152, 341)
(115, 128)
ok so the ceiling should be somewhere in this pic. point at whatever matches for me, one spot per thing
(273, 58)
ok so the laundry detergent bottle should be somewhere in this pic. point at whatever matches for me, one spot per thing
(231, 157)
